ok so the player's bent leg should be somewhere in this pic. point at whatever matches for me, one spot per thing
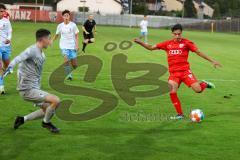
(6, 63)
(50, 111)
(85, 43)
(173, 86)
(2, 91)
(197, 88)
(6, 56)
(53, 100)
(38, 98)
(200, 87)
(210, 85)
(175, 100)
(5, 53)
(32, 116)
(191, 81)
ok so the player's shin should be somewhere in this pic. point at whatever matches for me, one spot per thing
(176, 103)
(84, 46)
(146, 39)
(6, 64)
(68, 70)
(34, 115)
(50, 111)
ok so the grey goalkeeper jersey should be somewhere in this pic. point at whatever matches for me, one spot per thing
(30, 68)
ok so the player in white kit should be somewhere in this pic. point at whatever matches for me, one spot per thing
(5, 44)
(68, 31)
(144, 29)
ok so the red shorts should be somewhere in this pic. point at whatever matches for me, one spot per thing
(186, 77)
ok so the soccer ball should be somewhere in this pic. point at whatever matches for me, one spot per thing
(196, 115)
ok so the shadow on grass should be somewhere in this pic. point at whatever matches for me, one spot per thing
(129, 143)
(90, 143)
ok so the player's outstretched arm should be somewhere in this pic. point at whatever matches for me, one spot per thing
(214, 62)
(20, 58)
(147, 46)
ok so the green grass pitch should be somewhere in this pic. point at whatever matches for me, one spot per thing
(111, 137)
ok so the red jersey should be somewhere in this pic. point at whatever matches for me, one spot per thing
(177, 53)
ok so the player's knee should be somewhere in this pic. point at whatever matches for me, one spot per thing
(6, 63)
(172, 87)
(55, 101)
(44, 108)
(66, 61)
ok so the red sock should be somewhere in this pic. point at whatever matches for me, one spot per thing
(176, 102)
(203, 86)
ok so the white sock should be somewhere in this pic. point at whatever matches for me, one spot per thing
(34, 115)
(49, 114)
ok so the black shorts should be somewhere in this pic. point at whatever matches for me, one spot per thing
(88, 36)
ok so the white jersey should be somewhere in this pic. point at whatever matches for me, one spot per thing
(5, 31)
(67, 32)
(144, 26)
(30, 68)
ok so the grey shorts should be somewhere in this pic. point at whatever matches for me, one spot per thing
(34, 95)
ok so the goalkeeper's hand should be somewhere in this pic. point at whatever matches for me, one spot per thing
(8, 71)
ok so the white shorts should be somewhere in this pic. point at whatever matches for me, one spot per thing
(34, 95)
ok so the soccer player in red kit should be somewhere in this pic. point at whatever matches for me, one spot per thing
(179, 69)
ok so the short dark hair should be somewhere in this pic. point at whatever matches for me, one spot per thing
(2, 6)
(177, 27)
(42, 33)
(66, 11)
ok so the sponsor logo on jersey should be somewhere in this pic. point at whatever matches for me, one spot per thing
(175, 52)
